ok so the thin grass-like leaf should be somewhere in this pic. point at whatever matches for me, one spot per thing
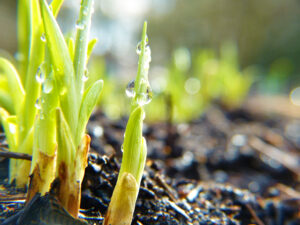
(9, 128)
(65, 143)
(63, 67)
(90, 48)
(89, 100)
(14, 82)
(133, 143)
(81, 44)
(23, 37)
(6, 102)
(56, 5)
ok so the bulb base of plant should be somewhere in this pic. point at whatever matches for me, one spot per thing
(42, 175)
(122, 204)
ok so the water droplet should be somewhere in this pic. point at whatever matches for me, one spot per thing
(147, 57)
(145, 98)
(122, 148)
(40, 76)
(130, 92)
(47, 86)
(42, 116)
(139, 48)
(38, 103)
(80, 25)
(43, 38)
(12, 128)
(85, 12)
(85, 76)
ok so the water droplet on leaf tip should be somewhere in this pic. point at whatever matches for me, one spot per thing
(40, 76)
(38, 103)
(80, 25)
(130, 92)
(12, 128)
(85, 76)
(122, 148)
(43, 38)
(139, 48)
(145, 98)
(47, 86)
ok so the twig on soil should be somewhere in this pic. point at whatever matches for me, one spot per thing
(288, 191)
(6, 154)
(162, 183)
(286, 159)
(255, 217)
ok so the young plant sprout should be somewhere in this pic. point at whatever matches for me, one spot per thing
(70, 104)
(55, 105)
(19, 90)
(121, 207)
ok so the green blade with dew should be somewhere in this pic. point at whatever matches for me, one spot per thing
(31, 86)
(63, 67)
(81, 43)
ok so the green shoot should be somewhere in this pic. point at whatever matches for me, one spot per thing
(123, 200)
(48, 101)
(68, 104)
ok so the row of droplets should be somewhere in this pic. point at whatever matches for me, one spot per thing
(146, 97)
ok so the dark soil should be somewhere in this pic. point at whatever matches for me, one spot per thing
(227, 167)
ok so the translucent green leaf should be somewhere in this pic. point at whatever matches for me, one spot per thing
(81, 42)
(71, 47)
(63, 67)
(23, 36)
(14, 82)
(56, 42)
(91, 46)
(88, 103)
(10, 129)
(133, 144)
(56, 5)
(65, 145)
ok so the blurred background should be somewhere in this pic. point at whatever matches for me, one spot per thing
(203, 51)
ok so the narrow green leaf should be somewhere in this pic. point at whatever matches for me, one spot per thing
(81, 43)
(133, 145)
(142, 161)
(91, 46)
(14, 83)
(63, 67)
(88, 103)
(36, 56)
(141, 81)
(9, 129)
(71, 47)
(6, 102)
(23, 36)
(65, 145)
(47, 117)
(56, 5)
(56, 42)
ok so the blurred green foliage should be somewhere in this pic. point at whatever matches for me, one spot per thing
(184, 88)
